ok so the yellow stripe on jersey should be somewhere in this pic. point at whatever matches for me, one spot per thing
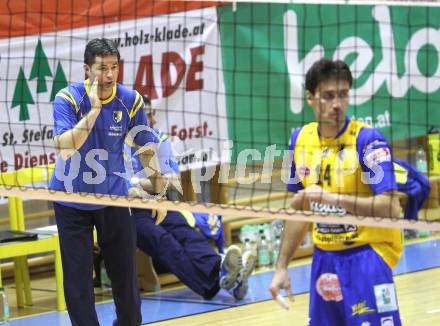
(73, 99)
(129, 142)
(87, 86)
(68, 97)
(189, 218)
(137, 104)
(108, 100)
(401, 173)
(162, 138)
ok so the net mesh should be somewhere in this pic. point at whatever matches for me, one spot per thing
(227, 83)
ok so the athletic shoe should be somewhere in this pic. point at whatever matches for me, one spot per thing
(241, 288)
(230, 267)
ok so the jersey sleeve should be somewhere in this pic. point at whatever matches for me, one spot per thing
(375, 158)
(167, 160)
(294, 184)
(134, 160)
(138, 117)
(64, 112)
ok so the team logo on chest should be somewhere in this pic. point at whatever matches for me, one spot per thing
(116, 130)
(117, 116)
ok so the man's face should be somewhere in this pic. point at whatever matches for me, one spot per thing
(330, 102)
(151, 113)
(106, 69)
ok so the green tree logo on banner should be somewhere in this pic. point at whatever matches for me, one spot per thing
(59, 81)
(40, 68)
(22, 96)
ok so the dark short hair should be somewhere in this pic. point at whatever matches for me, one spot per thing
(325, 69)
(146, 99)
(99, 47)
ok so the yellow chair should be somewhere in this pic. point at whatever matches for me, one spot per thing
(19, 250)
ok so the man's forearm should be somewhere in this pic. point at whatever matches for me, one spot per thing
(72, 140)
(150, 161)
(385, 205)
(293, 235)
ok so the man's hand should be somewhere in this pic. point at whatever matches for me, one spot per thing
(302, 198)
(281, 280)
(134, 192)
(94, 97)
(318, 194)
(69, 142)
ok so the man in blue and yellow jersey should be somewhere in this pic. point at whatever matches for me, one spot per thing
(342, 166)
(91, 121)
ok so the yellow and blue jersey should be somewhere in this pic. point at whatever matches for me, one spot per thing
(357, 161)
(98, 165)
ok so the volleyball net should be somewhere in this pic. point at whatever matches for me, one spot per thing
(227, 82)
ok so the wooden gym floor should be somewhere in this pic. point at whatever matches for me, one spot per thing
(417, 280)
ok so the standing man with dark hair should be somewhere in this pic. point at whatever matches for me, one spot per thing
(345, 167)
(91, 121)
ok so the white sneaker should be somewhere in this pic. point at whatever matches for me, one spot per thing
(241, 288)
(231, 266)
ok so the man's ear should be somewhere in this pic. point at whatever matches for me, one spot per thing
(309, 97)
(86, 71)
